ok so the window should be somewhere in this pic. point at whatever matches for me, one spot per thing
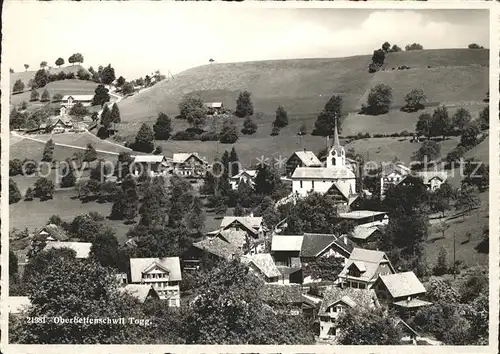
(312, 183)
(339, 308)
(300, 184)
(361, 285)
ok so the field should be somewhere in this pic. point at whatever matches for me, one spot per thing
(64, 87)
(26, 76)
(303, 86)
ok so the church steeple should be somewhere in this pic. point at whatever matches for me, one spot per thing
(336, 155)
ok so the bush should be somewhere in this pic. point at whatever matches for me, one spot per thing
(158, 150)
(209, 136)
(185, 135)
(275, 131)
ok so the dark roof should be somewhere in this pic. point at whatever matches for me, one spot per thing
(353, 297)
(313, 244)
(218, 247)
(54, 231)
(282, 294)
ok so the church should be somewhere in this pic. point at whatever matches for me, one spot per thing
(336, 179)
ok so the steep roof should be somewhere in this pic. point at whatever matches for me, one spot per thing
(427, 176)
(218, 247)
(82, 249)
(138, 265)
(369, 259)
(350, 296)
(282, 294)
(308, 158)
(264, 262)
(182, 157)
(361, 214)
(54, 231)
(287, 243)
(313, 244)
(363, 232)
(402, 284)
(235, 237)
(250, 222)
(249, 173)
(149, 158)
(322, 173)
(139, 291)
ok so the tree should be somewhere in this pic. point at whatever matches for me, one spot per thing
(101, 95)
(155, 205)
(115, 115)
(229, 131)
(44, 188)
(229, 309)
(329, 117)
(475, 46)
(90, 153)
(29, 195)
(144, 140)
(41, 78)
(424, 125)
(441, 267)
(57, 97)
(378, 57)
(441, 199)
(83, 74)
(48, 151)
(162, 127)
(244, 106)
(120, 81)
(78, 58)
(106, 118)
(26, 66)
(127, 88)
(360, 326)
(379, 100)
(484, 119)
(461, 119)
(441, 122)
(220, 207)
(18, 86)
(395, 48)
(469, 135)
(414, 100)
(14, 194)
(196, 217)
(267, 180)
(68, 178)
(34, 94)
(429, 150)
(467, 199)
(45, 96)
(234, 163)
(249, 126)
(16, 119)
(105, 249)
(131, 198)
(78, 110)
(281, 117)
(197, 118)
(275, 131)
(324, 268)
(43, 64)
(238, 210)
(190, 104)
(59, 61)
(386, 46)
(476, 174)
(108, 75)
(414, 46)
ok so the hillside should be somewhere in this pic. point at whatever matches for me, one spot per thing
(26, 76)
(303, 86)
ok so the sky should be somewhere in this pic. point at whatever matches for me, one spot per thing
(139, 38)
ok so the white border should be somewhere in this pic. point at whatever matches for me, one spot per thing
(240, 6)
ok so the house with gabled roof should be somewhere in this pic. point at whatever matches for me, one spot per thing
(214, 108)
(392, 174)
(253, 225)
(155, 165)
(246, 176)
(337, 300)
(164, 274)
(141, 292)
(433, 179)
(305, 158)
(404, 291)
(285, 250)
(70, 100)
(263, 265)
(52, 232)
(189, 164)
(363, 268)
(283, 299)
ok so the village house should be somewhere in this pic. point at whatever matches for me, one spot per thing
(57, 125)
(253, 225)
(164, 274)
(155, 165)
(336, 179)
(214, 108)
(246, 176)
(433, 179)
(303, 158)
(370, 226)
(82, 249)
(141, 292)
(363, 268)
(189, 164)
(403, 291)
(263, 266)
(364, 217)
(284, 299)
(392, 175)
(285, 251)
(70, 100)
(336, 301)
(209, 249)
(51, 232)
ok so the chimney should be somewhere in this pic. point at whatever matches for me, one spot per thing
(305, 150)
(251, 214)
(344, 238)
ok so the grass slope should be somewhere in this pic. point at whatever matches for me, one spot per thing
(303, 86)
(26, 76)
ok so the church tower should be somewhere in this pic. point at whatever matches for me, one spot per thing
(336, 155)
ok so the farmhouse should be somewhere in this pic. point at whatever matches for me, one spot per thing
(337, 300)
(253, 225)
(283, 299)
(433, 179)
(214, 108)
(52, 232)
(189, 164)
(392, 175)
(70, 100)
(263, 265)
(285, 251)
(57, 125)
(82, 249)
(155, 165)
(164, 274)
(336, 179)
(364, 267)
(370, 226)
(364, 217)
(246, 176)
(401, 290)
(304, 158)
(141, 292)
